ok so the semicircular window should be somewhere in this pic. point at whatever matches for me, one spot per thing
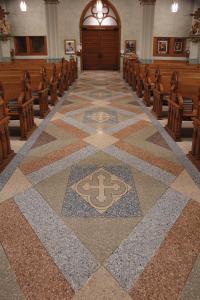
(103, 17)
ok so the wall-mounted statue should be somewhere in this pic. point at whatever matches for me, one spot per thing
(5, 29)
(195, 32)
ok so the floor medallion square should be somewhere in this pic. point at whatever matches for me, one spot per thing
(94, 191)
(101, 115)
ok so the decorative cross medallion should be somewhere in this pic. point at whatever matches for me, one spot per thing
(101, 189)
(100, 117)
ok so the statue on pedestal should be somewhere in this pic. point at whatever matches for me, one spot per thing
(5, 29)
(195, 32)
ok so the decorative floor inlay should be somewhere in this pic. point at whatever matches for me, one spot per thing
(106, 191)
(106, 204)
(100, 94)
(101, 115)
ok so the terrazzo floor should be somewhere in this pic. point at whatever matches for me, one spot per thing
(100, 204)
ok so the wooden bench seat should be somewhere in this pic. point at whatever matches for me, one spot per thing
(53, 84)
(183, 106)
(40, 90)
(19, 102)
(194, 154)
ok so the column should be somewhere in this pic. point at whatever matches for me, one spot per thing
(52, 28)
(148, 11)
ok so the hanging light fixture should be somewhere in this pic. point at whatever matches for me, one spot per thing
(174, 7)
(23, 6)
(99, 7)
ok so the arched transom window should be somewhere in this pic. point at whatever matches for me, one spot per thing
(103, 16)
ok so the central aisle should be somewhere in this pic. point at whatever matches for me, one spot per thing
(100, 196)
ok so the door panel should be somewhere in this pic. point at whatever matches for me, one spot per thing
(91, 40)
(100, 49)
(109, 50)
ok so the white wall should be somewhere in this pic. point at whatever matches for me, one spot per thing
(173, 24)
(70, 11)
(33, 22)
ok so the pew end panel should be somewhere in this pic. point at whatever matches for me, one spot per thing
(20, 106)
(6, 153)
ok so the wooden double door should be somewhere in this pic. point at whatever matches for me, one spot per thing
(100, 49)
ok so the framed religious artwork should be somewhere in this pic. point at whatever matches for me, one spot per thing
(169, 46)
(70, 47)
(163, 46)
(130, 46)
(179, 45)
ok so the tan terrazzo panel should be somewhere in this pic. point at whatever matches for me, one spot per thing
(100, 140)
(9, 288)
(101, 286)
(191, 290)
(17, 183)
(185, 185)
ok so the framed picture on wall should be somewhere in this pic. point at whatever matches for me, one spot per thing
(179, 46)
(130, 46)
(70, 47)
(163, 47)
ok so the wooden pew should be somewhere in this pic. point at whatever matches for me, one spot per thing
(19, 101)
(61, 79)
(140, 74)
(53, 85)
(138, 71)
(161, 92)
(183, 106)
(6, 154)
(39, 85)
(149, 85)
(194, 154)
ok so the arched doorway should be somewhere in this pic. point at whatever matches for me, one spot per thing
(100, 37)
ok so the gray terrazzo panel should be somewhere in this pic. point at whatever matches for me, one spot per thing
(127, 206)
(75, 261)
(9, 170)
(60, 165)
(131, 258)
(141, 165)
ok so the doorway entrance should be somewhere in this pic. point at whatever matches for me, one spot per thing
(100, 49)
(100, 38)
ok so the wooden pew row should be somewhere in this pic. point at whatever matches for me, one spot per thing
(6, 154)
(39, 87)
(183, 105)
(19, 101)
(19, 95)
(150, 79)
(188, 84)
(182, 95)
(135, 74)
(129, 64)
(194, 154)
